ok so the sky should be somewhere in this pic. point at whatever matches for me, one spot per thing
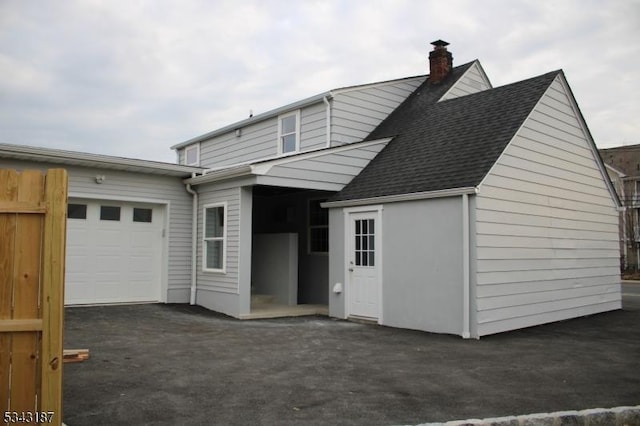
(130, 78)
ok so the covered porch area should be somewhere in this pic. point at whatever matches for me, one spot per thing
(289, 256)
(264, 237)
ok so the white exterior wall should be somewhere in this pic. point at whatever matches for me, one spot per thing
(128, 186)
(219, 291)
(547, 226)
(422, 274)
(356, 112)
(422, 265)
(473, 81)
(260, 140)
(329, 171)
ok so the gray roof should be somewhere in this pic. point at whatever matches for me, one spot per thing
(448, 144)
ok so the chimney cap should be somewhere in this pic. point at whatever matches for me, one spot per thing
(439, 43)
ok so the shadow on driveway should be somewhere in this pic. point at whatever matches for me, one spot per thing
(184, 365)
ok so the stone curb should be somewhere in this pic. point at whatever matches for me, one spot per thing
(617, 416)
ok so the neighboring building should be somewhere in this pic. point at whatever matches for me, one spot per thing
(433, 202)
(623, 163)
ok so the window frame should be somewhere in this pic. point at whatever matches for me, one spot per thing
(296, 132)
(195, 146)
(310, 226)
(222, 270)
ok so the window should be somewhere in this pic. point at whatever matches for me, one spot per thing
(142, 215)
(318, 227)
(192, 155)
(77, 211)
(109, 213)
(215, 235)
(365, 242)
(289, 133)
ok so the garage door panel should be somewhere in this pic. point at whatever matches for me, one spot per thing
(111, 261)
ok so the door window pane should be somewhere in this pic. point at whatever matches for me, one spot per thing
(364, 244)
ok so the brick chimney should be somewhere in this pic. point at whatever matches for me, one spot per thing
(440, 62)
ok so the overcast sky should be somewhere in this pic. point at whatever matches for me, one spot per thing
(131, 78)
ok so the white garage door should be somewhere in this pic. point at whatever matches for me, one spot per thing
(114, 252)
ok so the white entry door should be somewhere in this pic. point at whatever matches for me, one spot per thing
(363, 268)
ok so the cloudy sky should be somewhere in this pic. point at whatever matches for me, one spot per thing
(133, 77)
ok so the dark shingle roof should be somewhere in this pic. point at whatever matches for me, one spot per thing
(448, 144)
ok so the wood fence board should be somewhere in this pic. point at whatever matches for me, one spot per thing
(55, 235)
(26, 295)
(8, 192)
(23, 371)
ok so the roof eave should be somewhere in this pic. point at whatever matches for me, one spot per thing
(256, 118)
(28, 153)
(383, 199)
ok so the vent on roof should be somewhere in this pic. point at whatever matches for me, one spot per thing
(440, 62)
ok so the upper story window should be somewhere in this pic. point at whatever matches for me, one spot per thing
(289, 133)
(192, 155)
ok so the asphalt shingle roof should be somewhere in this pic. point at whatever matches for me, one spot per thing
(448, 144)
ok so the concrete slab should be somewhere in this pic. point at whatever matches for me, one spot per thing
(178, 364)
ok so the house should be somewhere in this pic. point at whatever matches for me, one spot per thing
(434, 202)
(623, 166)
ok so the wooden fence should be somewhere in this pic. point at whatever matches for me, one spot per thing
(33, 210)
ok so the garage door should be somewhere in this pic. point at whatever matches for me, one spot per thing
(114, 252)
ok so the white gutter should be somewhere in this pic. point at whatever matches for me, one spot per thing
(232, 172)
(466, 282)
(194, 244)
(402, 197)
(328, 119)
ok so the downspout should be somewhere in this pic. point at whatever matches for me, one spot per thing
(466, 283)
(328, 120)
(194, 243)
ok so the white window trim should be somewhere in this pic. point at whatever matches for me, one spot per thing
(297, 131)
(309, 227)
(205, 239)
(195, 146)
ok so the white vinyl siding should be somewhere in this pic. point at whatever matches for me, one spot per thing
(313, 127)
(473, 81)
(256, 141)
(121, 185)
(356, 112)
(547, 226)
(227, 282)
(330, 171)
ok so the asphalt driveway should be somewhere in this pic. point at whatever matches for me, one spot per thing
(184, 365)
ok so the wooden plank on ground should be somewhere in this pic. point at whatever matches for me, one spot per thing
(75, 355)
